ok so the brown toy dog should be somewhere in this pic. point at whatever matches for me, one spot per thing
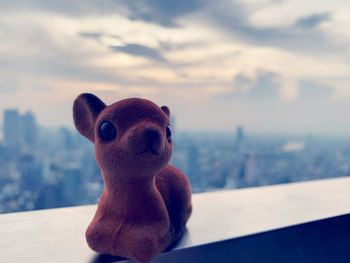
(145, 203)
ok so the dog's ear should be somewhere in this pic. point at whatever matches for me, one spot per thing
(166, 110)
(86, 109)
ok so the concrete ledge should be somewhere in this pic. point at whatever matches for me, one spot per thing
(299, 222)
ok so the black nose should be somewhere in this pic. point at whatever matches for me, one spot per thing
(152, 135)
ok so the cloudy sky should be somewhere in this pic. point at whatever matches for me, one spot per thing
(269, 65)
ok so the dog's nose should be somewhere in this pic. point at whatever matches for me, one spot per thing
(152, 135)
(144, 138)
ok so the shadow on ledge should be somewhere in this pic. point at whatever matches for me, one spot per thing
(101, 258)
(104, 258)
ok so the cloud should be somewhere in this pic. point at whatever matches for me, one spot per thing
(64, 47)
(4, 63)
(171, 46)
(93, 35)
(311, 90)
(9, 85)
(263, 86)
(162, 12)
(231, 17)
(312, 21)
(65, 7)
(301, 36)
(242, 82)
(266, 86)
(141, 51)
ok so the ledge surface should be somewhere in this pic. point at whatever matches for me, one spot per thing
(57, 235)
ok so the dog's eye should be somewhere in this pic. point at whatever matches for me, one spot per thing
(168, 133)
(107, 131)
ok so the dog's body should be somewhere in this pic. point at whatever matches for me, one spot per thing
(146, 203)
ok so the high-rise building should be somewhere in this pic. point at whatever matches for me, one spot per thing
(31, 173)
(239, 143)
(239, 135)
(11, 128)
(49, 197)
(29, 128)
(71, 185)
(249, 164)
(19, 129)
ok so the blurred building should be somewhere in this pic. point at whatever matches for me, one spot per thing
(67, 138)
(31, 173)
(61, 170)
(29, 129)
(20, 130)
(192, 164)
(247, 171)
(49, 197)
(11, 128)
(71, 185)
(239, 142)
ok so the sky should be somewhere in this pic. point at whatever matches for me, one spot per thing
(268, 65)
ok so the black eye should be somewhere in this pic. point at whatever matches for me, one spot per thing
(107, 131)
(168, 133)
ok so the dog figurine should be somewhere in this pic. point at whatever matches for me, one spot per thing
(146, 202)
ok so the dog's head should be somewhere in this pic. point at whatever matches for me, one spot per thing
(132, 137)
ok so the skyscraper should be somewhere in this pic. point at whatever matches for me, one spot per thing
(239, 135)
(71, 184)
(31, 173)
(247, 170)
(29, 128)
(19, 129)
(11, 128)
(239, 143)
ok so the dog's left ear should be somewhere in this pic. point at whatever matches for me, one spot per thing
(166, 110)
(86, 109)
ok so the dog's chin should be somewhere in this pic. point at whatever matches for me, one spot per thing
(150, 158)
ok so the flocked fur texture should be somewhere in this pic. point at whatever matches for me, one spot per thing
(146, 202)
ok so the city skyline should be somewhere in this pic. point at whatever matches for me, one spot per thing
(56, 167)
(270, 66)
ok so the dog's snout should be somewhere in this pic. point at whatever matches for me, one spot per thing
(144, 138)
(152, 135)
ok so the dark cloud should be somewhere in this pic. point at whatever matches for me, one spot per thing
(228, 16)
(236, 23)
(162, 12)
(312, 90)
(156, 11)
(302, 36)
(140, 50)
(313, 20)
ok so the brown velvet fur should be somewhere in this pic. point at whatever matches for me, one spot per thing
(146, 202)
